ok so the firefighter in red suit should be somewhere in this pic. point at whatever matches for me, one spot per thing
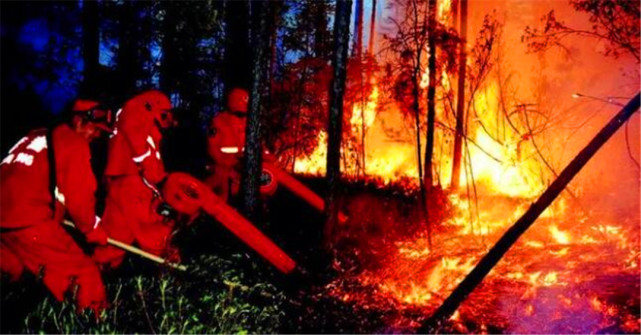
(134, 170)
(225, 142)
(225, 145)
(35, 197)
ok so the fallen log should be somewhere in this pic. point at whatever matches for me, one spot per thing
(487, 263)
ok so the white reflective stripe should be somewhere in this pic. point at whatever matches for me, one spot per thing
(24, 158)
(151, 142)
(8, 159)
(22, 140)
(151, 186)
(59, 196)
(98, 219)
(37, 144)
(142, 157)
(158, 155)
(229, 150)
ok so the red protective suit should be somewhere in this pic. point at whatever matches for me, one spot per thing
(134, 167)
(225, 142)
(32, 236)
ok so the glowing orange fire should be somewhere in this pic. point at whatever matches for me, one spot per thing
(554, 273)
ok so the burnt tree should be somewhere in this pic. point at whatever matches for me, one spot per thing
(253, 149)
(334, 129)
(487, 263)
(358, 26)
(431, 94)
(372, 29)
(236, 72)
(460, 100)
(90, 42)
(128, 61)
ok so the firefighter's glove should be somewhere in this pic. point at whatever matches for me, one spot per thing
(97, 236)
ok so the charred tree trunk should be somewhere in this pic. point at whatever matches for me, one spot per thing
(167, 65)
(90, 42)
(334, 131)
(273, 53)
(431, 109)
(128, 61)
(358, 26)
(508, 239)
(417, 123)
(236, 72)
(460, 100)
(431, 95)
(372, 29)
(253, 150)
(321, 36)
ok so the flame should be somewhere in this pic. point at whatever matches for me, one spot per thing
(502, 173)
(364, 115)
(559, 236)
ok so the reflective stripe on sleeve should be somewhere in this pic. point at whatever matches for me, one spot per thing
(139, 159)
(229, 150)
(59, 196)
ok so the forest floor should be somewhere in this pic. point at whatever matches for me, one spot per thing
(229, 289)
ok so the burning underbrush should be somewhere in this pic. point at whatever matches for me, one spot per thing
(573, 272)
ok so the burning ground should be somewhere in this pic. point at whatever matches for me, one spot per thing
(574, 272)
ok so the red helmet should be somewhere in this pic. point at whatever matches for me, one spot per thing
(237, 100)
(94, 112)
(158, 104)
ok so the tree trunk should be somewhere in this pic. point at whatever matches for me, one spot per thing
(90, 42)
(253, 150)
(417, 123)
(334, 131)
(167, 66)
(358, 26)
(128, 61)
(431, 95)
(460, 100)
(372, 29)
(321, 34)
(431, 111)
(236, 72)
(487, 263)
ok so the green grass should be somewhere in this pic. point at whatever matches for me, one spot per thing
(215, 296)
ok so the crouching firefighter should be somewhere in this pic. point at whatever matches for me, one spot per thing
(45, 175)
(133, 173)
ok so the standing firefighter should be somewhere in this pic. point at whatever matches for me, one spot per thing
(225, 141)
(134, 170)
(48, 173)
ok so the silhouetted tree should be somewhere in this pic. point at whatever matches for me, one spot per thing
(334, 131)
(460, 100)
(253, 146)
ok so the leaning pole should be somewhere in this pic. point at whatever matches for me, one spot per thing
(474, 278)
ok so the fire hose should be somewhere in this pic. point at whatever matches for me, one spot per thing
(299, 189)
(188, 195)
(292, 184)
